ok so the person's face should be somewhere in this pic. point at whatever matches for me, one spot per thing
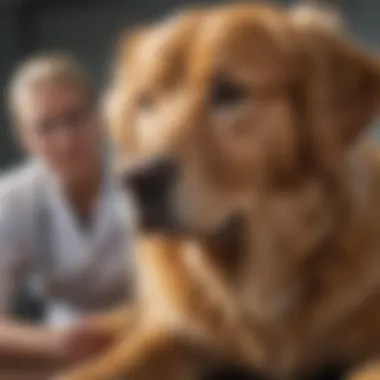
(59, 126)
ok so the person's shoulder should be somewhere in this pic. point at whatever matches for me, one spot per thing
(16, 212)
(17, 183)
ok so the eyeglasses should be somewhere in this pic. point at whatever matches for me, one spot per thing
(72, 118)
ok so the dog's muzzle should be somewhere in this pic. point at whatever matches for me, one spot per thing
(151, 183)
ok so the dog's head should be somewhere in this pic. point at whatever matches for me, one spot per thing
(220, 108)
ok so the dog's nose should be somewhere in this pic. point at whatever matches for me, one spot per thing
(151, 179)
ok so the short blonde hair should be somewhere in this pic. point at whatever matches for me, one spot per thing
(37, 70)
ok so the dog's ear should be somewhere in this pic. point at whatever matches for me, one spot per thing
(341, 82)
(117, 97)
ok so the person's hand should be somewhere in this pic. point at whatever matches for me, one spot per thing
(85, 339)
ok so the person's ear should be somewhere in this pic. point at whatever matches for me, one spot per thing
(341, 83)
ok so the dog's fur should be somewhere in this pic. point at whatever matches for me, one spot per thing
(262, 111)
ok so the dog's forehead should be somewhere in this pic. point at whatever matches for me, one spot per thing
(233, 21)
(250, 36)
(193, 43)
(163, 52)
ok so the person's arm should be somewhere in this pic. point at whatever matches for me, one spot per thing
(28, 351)
(23, 342)
(31, 352)
(31, 344)
(19, 342)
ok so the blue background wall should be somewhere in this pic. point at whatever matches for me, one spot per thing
(89, 29)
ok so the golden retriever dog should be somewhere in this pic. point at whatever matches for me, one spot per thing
(240, 128)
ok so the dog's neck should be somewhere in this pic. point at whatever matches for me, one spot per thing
(302, 302)
(284, 281)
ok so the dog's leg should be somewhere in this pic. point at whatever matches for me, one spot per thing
(144, 355)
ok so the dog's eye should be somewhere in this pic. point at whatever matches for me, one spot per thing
(226, 93)
(145, 101)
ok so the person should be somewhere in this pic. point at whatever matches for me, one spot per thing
(65, 224)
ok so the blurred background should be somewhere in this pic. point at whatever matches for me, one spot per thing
(89, 29)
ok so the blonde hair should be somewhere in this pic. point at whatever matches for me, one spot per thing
(35, 71)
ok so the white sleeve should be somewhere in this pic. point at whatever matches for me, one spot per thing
(12, 236)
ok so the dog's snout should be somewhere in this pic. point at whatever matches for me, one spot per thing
(150, 179)
(151, 183)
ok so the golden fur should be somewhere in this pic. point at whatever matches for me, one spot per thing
(302, 289)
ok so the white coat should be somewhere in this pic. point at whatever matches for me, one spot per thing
(74, 271)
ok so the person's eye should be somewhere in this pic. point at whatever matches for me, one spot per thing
(226, 93)
(46, 127)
